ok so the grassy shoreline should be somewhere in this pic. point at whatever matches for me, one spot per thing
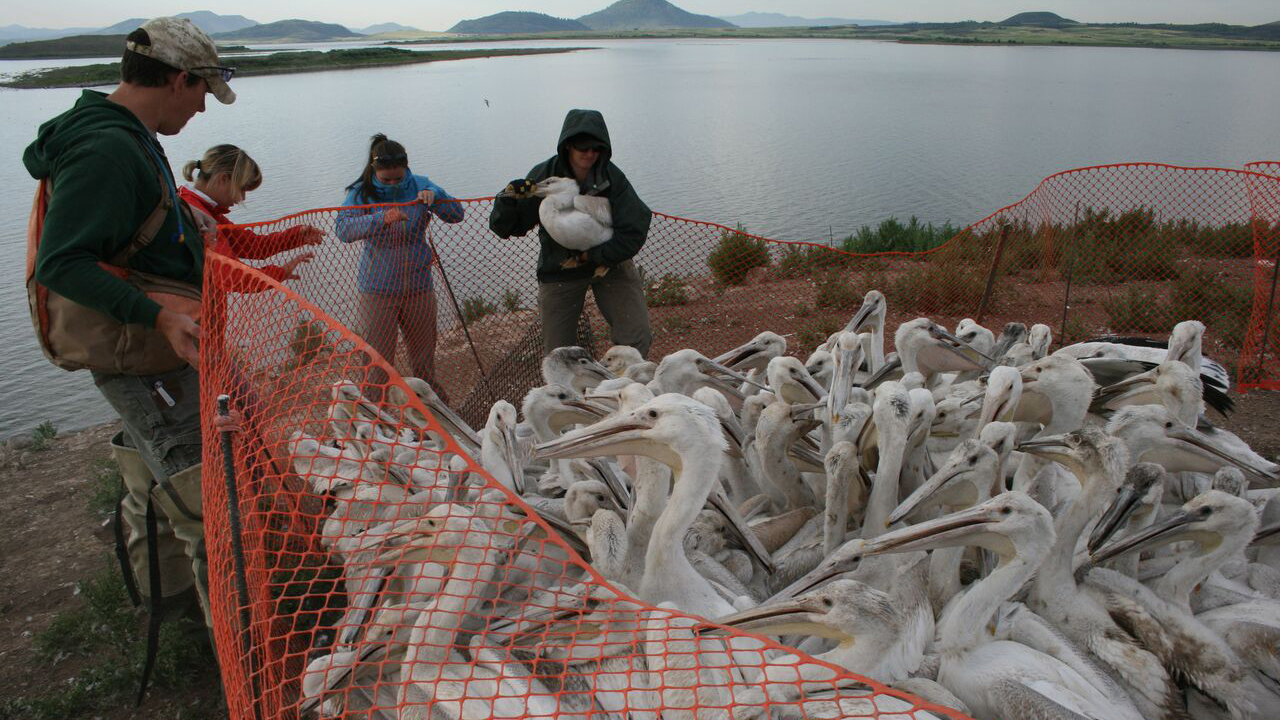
(274, 64)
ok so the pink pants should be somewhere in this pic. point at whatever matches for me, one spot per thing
(381, 316)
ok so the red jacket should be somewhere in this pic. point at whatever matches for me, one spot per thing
(240, 243)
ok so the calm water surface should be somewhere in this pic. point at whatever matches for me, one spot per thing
(795, 139)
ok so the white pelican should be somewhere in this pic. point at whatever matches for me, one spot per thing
(498, 450)
(1154, 434)
(754, 354)
(998, 678)
(576, 221)
(1098, 462)
(683, 434)
(620, 357)
(573, 367)
(872, 314)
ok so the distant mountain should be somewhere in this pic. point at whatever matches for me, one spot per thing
(386, 28)
(20, 33)
(290, 30)
(759, 20)
(516, 22)
(203, 19)
(1038, 19)
(648, 15)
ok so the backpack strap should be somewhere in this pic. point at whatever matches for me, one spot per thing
(151, 226)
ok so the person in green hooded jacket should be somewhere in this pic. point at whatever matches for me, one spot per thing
(584, 153)
(107, 175)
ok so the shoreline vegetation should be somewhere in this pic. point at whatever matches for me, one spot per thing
(274, 64)
(1184, 37)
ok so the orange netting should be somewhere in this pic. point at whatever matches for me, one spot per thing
(385, 570)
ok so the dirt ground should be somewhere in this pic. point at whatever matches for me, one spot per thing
(51, 539)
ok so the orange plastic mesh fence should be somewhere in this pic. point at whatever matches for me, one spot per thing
(385, 570)
(385, 574)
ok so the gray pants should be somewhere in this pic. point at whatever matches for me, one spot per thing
(160, 460)
(414, 314)
(620, 297)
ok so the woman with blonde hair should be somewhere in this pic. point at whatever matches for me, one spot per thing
(219, 181)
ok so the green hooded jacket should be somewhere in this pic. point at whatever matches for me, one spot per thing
(104, 185)
(512, 217)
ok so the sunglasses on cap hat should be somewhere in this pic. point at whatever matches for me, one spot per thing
(220, 71)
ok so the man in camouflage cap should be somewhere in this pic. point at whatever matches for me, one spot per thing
(112, 201)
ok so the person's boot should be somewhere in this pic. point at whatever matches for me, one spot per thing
(179, 497)
(175, 567)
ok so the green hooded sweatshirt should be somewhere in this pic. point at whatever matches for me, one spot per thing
(104, 185)
(513, 217)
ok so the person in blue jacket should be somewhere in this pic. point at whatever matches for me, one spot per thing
(394, 273)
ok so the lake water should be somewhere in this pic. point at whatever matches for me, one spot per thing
(795, 139)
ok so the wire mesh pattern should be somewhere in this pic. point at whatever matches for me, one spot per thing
(385, 574)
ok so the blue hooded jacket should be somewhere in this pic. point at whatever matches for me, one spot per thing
(397, 257)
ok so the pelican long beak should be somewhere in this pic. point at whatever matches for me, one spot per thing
(891, 364)
(1126, 388)
(1266, 534)
(733, 433)
(739, 530)
(926, 491)
(510, 457)
(961, 348)
(1126, 502)
(860, 318)
(705, 365)
(621, 497)
(453, 423)
(600, 371)
(595, 410)
(787, 617)
(844, 560)
(1171, 530)
(1050, 447)
(606, 437)
(1207, 448)
(946, 531)
(738, 356)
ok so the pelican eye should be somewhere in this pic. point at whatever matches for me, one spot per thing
(599, 497)
(653, 413)
(826, 602)
(1168, 425)
(562, 396)
(1006, 510)
(1206, 511)
(973, 459)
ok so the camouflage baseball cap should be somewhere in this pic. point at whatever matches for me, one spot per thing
(178, 43)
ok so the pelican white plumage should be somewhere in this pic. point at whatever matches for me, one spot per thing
(620, 357)
(573, 367)
(498, 448)
(998, 678)
(685, 435)
(1098, 461)
(576, 221)
(1154, 434)
(871, 315)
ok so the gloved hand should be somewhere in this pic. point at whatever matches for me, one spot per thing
(520, 187)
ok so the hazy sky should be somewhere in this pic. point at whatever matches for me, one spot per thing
(441, 14)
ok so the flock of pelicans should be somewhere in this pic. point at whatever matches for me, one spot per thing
(993, 528)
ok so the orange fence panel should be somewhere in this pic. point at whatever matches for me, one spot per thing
(383, 568)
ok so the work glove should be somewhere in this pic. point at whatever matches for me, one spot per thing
(520, 187)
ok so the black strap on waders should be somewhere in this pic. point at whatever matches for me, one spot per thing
(157, 602)
(122, 549)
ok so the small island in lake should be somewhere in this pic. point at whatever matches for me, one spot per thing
(274, 64)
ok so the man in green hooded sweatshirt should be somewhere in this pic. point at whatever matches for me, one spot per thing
(584, 153)
(108, 178)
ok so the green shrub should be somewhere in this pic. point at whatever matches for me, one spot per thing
(835, 291)
(935, 287)
(1222, 306)
(892, 235)
(735, 255)
(1136, 311)
(42, 437)
(815, 331)
(667, 290)
(510, 300)
(476, 307)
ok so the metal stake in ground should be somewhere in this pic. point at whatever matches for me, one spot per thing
(237, 552)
